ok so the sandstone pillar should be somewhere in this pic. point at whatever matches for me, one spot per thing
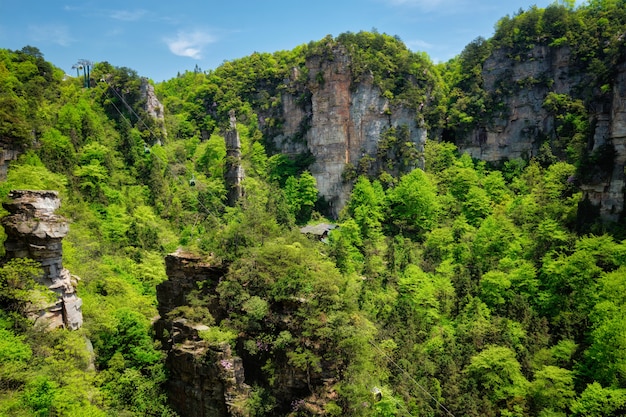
(35, 231)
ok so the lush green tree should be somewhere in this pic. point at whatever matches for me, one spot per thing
(301, 196)
(552, 389)
(498, 375)
(129, 339)
(413, 203)
(598, 401)
(367, 207)
(18, 284)
(605, 359)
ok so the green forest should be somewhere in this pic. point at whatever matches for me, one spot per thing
(462, 289)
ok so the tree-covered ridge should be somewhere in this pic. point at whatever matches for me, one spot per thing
(485, 291)
(28, 84)
(253, 85)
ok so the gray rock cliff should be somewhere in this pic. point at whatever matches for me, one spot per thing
(152, 105)
(341, 123)
(519, 85)
(209, 379)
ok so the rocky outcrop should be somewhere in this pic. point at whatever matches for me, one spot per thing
(610, 128)
(35, 231)
(205, 379)
(233, 172)
(339, 122)
(8, 152)
(519, 85)
(152, 106)
(213, 378)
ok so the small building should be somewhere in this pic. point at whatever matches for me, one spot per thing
(320, 231)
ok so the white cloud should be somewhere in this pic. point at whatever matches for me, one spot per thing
(128, 15)
(190, 44)
(419, 45)
(58, 34)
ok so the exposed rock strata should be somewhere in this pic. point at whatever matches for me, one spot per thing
(611, 128)
(9, 151)
(234, 173)
(210, 379)
(152, 105)
(520, 128)
(35, 231)
(205, 380)
(340, 124)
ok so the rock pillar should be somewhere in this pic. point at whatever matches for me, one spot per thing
(206, 379)
(234, 170)
(35, 232)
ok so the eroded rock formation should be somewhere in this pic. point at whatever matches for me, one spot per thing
(233, 172)
(153, 106)
(205, 379)
(611, 128)
(341, 123)
(519, 84)
(8, 152)
(213, 379)
(35, 231)
(516, 131)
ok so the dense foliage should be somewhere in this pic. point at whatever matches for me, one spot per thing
(458, 289)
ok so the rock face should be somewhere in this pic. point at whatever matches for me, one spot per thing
(341, 123)
(233, 172)
(611, 128)
(153, 106)
(34, 231)
(213, 379)
(519, 129)
(516, 131)
(8, 152)
(205, 380)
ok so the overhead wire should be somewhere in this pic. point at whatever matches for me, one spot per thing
(408, 375)
(208, 212)
(118, 110)
(139, 119)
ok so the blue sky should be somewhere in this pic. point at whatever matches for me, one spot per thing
(158, 39)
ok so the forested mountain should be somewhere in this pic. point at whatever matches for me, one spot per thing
(478, 266)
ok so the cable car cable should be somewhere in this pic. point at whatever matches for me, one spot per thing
(412, 379)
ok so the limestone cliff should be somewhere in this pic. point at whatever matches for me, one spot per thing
(10, 150)
(611, 128)
(233, 170)
(205, 379)
(339, 121)
(35, 231)
(515, 131)
(152, 106)
(519, 84)
(208, 378)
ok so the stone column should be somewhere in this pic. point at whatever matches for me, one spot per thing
(35, 232)
(234, 173)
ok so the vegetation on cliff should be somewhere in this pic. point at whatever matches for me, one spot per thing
(458, 289)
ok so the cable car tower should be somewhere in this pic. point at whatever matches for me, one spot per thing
(85, 65)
